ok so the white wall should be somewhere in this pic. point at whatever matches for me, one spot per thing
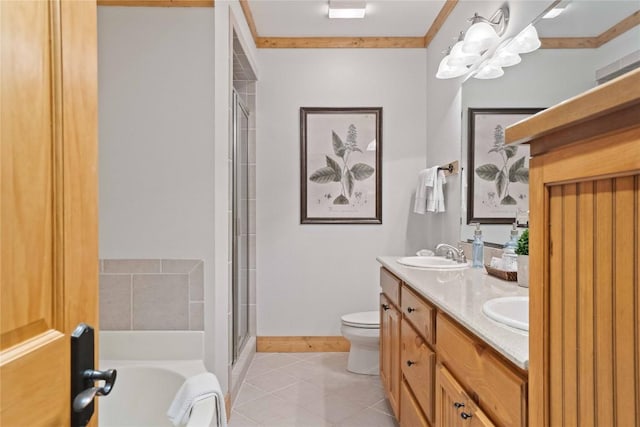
(156, 137)
(309, 275)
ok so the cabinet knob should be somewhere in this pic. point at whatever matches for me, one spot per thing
(409, 363)
(458, 405)
(385, 307)
(409, 309)
(464, 415)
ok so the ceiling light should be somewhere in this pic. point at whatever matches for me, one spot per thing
(503, 57)
(346, 9)
(554, 12)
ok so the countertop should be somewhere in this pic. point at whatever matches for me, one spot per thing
(461, 294)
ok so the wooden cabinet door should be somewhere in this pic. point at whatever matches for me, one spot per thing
(453, 407)
(390, 352)
(417, 362)
(48, 213)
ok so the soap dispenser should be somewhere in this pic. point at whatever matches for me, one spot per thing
(478, 248)
(509, 257)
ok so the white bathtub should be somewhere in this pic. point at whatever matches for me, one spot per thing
(152, 365)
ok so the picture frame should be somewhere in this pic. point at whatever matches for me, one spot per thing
(341, 165)
(498, 174)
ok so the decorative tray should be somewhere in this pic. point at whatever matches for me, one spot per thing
(511, 276)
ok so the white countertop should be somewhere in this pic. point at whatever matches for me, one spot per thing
(461, 294)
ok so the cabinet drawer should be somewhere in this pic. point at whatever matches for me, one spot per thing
(497, 389)
(390, 285)
(419, 313)
(410, 413)
(418, 364)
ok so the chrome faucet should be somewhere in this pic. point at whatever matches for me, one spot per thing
(456, 254)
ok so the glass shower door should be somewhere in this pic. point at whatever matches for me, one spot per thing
(240, 261)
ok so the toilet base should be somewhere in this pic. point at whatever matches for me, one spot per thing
(364, 360)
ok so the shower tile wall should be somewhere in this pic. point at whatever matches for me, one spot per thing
(151, 294)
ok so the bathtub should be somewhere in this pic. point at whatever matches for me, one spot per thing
(152, 365)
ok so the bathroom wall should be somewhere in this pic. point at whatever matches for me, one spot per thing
(156, 140)
(309, 275)
(151, 294)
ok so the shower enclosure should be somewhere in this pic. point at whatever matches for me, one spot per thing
(240, 215)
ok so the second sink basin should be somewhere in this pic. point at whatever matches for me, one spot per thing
(432, 262)
(510, 311)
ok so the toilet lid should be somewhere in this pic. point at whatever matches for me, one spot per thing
(364, 319)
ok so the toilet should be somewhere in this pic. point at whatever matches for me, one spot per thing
(363, 331)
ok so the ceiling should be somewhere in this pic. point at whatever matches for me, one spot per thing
(413, 18)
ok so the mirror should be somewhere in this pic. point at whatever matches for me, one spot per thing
(546, 77)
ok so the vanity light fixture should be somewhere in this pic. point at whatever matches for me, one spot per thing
(477, 52)
(343, 9)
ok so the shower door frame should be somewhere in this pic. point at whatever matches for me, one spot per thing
(238, 341)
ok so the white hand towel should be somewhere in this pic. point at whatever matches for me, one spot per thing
(438, 193)
(193, 390)
(426, 181)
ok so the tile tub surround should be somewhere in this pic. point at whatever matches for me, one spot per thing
(461, 294)
(151, 294)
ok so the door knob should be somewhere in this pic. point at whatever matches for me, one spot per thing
(385, 307)
(410, 309)
(85, 397)
(464, 415)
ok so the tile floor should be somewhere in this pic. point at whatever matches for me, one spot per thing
(307, 390)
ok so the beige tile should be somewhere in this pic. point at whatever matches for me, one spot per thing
(252, 181)
(361, 392)
(300, 417)
(196, 316)
(369, 418)
(160, 302)
(266, 409)
(182, 266)
(239, 420)
(196, 283)
(263, 364)
(334, 408)
(383, 406)
(252, 286)
(301, 393)
(252, 251)
(115, 301)
(248, 393)
(131, 266)
(252, 216)
(272, 381)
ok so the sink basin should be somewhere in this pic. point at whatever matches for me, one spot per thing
(510, 311)
(432, 262)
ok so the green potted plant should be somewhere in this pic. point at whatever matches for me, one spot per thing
(522, 250)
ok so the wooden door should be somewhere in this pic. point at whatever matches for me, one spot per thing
(48, 214)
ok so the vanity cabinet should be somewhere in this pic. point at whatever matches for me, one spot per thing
(390, 339)
(454, 408)
(585, 254)
(445, 376)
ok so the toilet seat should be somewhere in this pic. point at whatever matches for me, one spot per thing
(363, 320)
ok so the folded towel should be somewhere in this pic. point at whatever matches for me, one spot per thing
(435, 197)
(426, 181)
(193, 390)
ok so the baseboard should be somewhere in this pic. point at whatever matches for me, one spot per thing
(282, 344)
(227, 405)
